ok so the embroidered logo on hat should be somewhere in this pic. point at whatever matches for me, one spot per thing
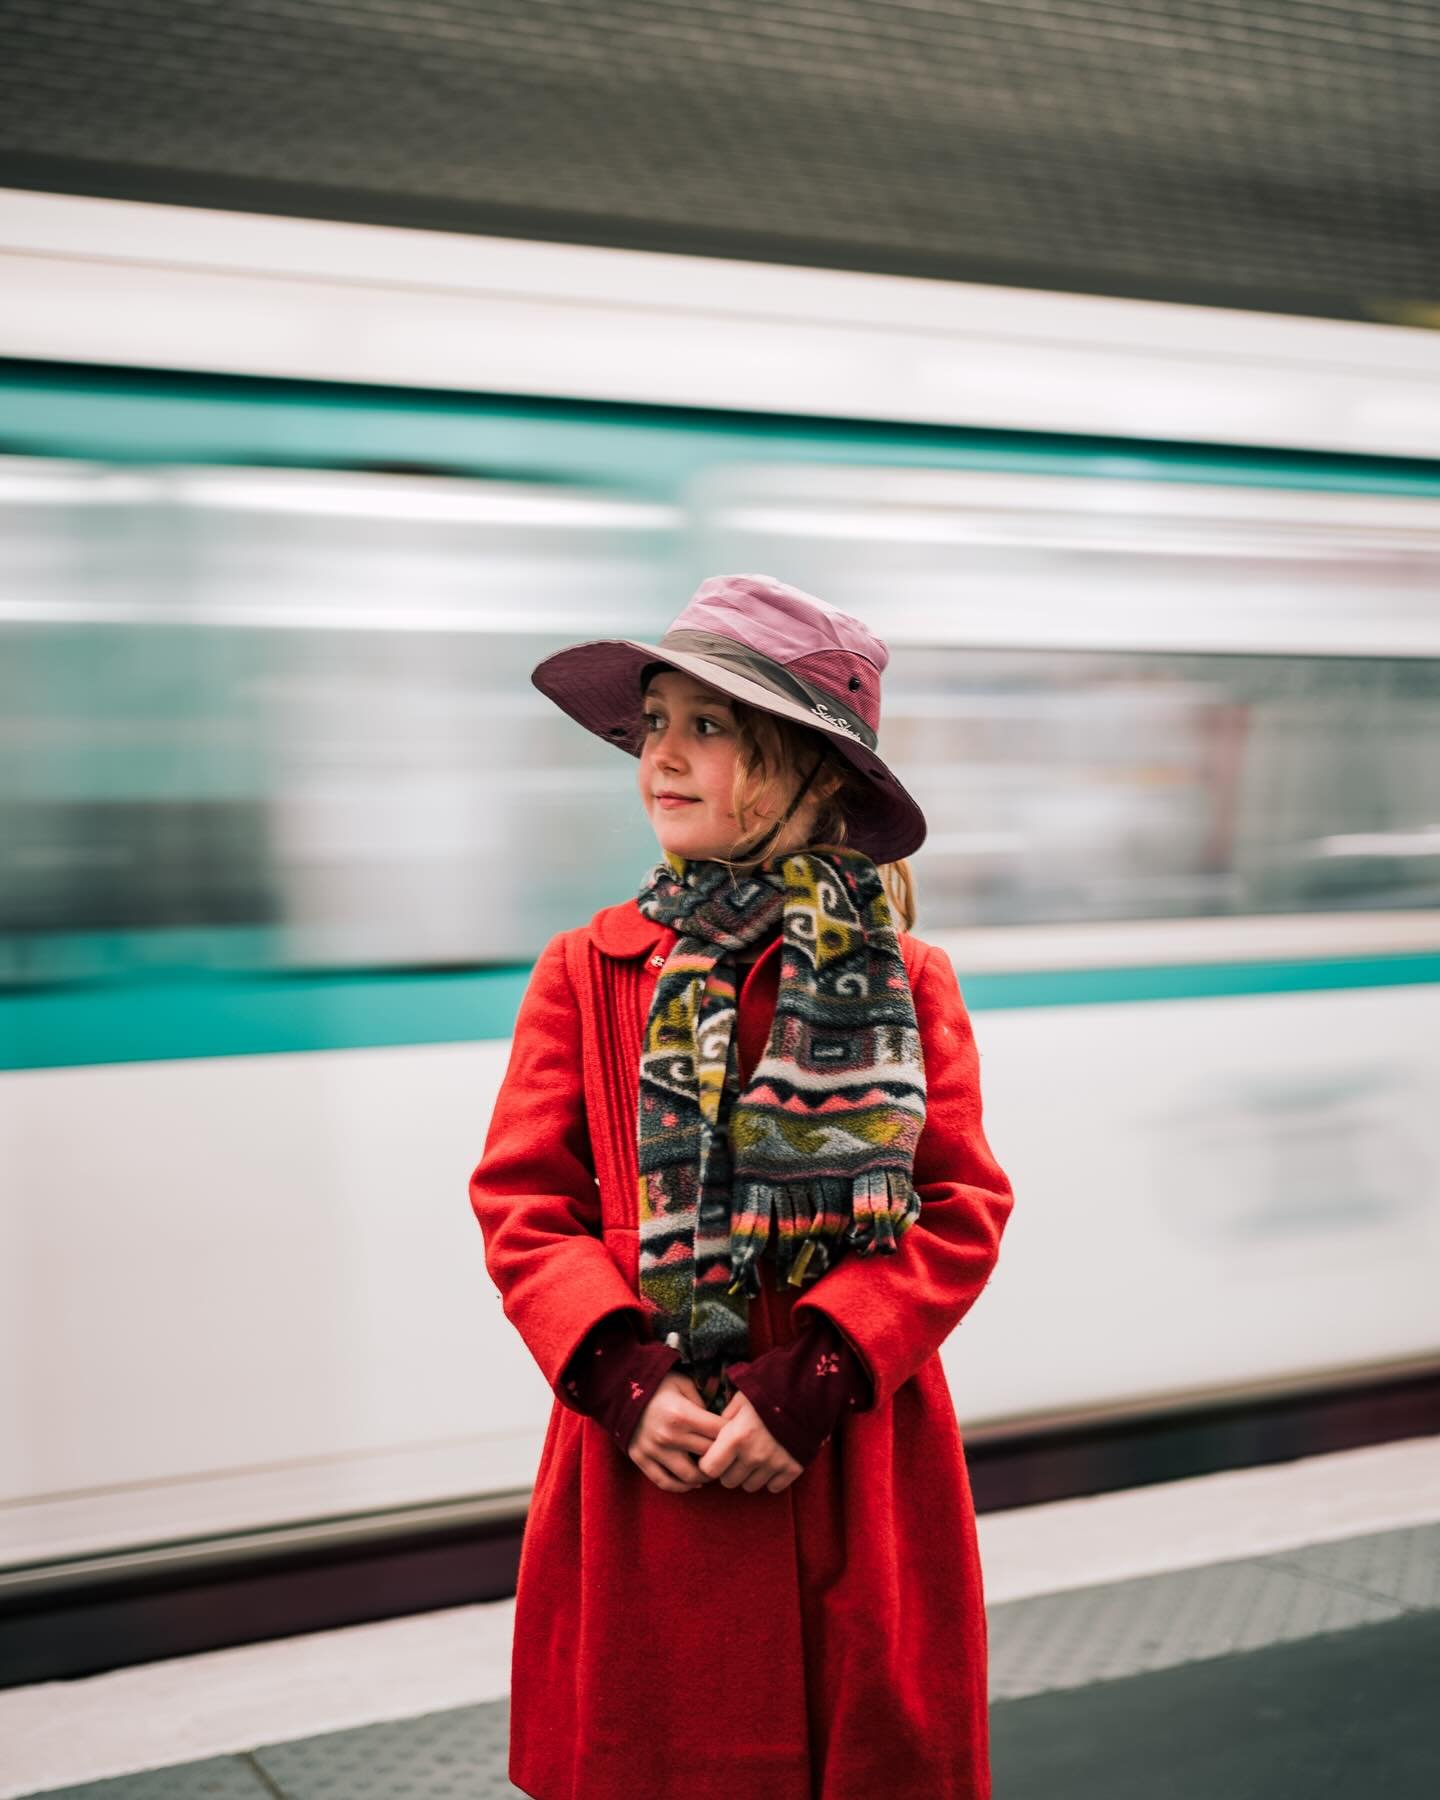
(833, 718)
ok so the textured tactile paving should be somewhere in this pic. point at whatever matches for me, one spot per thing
(1125, 1628)
(461, 1754)
(1397, 1565)
(457, 1755)
(219, 1778)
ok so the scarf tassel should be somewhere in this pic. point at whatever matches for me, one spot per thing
(886, 1206)
(875, 1210)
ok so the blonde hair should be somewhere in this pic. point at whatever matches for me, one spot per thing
(770, 752)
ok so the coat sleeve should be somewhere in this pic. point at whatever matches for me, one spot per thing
(534, 1190)
(897, 1310)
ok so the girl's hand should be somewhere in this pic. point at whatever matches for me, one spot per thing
(745, 1455)
(675, 1427)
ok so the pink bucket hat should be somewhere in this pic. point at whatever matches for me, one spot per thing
(776, 648)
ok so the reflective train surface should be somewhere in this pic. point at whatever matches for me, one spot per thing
(283, 826)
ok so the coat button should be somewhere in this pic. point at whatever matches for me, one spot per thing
(657, 962)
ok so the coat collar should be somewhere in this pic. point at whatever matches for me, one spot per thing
(624, 931)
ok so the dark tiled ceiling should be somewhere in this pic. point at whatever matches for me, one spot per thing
(1281, 156)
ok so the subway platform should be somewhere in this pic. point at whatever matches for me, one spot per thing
(1254, 1635)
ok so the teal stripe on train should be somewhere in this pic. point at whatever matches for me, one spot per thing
(144, 416)
(163, 1021)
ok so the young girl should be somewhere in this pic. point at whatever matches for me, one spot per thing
(735, 1195)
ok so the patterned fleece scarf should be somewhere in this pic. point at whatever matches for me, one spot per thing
(824, 1136)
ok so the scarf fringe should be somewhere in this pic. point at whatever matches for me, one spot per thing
(815, 1221)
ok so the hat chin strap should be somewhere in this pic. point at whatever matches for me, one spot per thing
(762, 848)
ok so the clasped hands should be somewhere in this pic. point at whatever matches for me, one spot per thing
(680, 1444)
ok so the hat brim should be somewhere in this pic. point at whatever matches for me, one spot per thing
(597, 684)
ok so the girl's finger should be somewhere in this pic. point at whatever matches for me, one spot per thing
(702, 1422)
(715, 1466)
(653, 1472)
(681, 1467)
(696, 1442)
(720, 1459)
(740, 1473)
(662, 1478)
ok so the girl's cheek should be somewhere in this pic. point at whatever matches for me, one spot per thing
(717, 783)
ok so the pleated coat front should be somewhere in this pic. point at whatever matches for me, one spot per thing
(824, 1643)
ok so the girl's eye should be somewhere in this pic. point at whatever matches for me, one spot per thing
(653, 719)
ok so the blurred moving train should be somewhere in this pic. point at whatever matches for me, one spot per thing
(283, 823)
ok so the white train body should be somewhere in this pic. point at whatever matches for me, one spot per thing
(287, 824)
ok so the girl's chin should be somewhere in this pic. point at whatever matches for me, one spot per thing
(685, 838)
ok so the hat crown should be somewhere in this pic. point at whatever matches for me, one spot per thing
(830, 649)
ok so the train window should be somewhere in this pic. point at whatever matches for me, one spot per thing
(283, 718)
(1076, 786)
(1123, 700)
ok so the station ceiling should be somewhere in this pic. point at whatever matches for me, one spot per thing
(1281, 155)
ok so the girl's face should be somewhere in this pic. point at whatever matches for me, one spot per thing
(687, 773)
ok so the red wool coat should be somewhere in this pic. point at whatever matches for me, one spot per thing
(824, 1643)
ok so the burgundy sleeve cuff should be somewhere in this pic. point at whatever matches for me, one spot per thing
(802, 1390)
(614, 1372)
